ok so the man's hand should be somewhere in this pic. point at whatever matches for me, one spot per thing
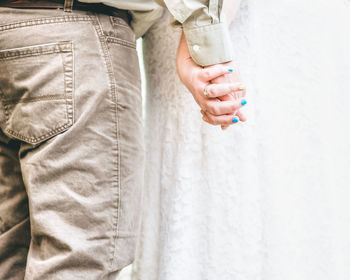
(219, 106)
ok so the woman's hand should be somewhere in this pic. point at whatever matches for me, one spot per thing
(218, 106)
(233, 77)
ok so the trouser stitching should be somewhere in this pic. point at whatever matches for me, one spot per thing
(113, 90)
(49, 20)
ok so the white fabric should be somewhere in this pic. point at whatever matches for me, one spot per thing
(266, 199)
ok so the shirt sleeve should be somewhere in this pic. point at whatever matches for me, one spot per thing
(204, 27)
(143, 20)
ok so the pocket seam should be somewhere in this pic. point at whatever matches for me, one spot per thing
(28, 51)
(35, 99)
(121, 42)
(45, 20)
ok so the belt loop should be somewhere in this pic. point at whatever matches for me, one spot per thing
(68, 5)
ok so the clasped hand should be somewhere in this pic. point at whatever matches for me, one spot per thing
(217, 89)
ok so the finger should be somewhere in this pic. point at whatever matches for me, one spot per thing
(226, 98)
(242, 117)
(217, 107)
(232, 77)
(216, 90)
(220, 120)
(213, 72)
(235, 96)
(224, 127)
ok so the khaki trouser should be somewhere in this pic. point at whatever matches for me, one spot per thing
(71, 145)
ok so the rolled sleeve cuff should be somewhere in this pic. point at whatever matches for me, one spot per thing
(209, 44)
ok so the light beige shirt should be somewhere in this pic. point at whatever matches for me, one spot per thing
(202, 21)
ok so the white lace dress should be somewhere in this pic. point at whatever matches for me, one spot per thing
(266, 199)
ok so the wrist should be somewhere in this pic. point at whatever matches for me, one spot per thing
(183, 57)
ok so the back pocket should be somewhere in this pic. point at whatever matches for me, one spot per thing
(36, 89)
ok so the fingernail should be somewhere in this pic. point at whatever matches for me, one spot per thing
(230, 70)
(235, 120)
(243, 102)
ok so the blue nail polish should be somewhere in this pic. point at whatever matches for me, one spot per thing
(235, 120)
(243, 102)
(230, 70)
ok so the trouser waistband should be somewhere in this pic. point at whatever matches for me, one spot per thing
(67, 6)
